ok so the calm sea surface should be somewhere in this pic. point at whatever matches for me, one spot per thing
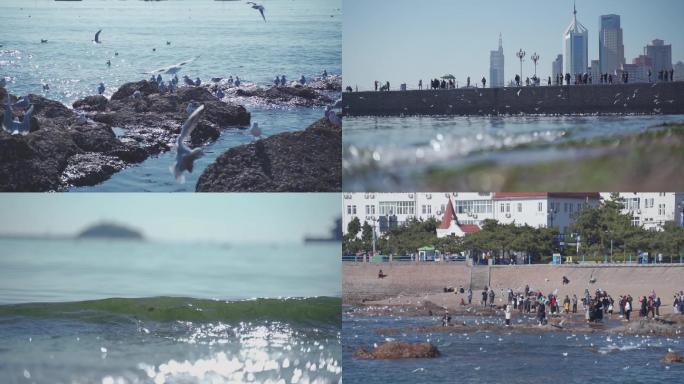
(229, 38)
(507, 357)
(136, 312)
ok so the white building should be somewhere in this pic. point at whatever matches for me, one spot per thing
(387, 210)
(576, 46)
(652, 209)
(637, 73)
(496, 67)
(557, 67)
(595, 72)
(611, 47)
(679, 71)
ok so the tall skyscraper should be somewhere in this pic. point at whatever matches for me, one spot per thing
(576, 44)
(496, 66)
(660, 55)
(611, 48)
(557, 67)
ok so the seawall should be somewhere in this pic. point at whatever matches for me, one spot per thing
(641, 98)
(360, 280)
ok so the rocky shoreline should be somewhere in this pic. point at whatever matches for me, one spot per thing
(99, 137)
(304, 161)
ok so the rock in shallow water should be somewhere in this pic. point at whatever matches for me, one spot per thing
(398, 350)
(673, 357)
(90, 168)
(308, 160)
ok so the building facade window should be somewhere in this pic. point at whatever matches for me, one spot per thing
(353, 209)
(473, 206)
(635, 221)
(519, 207)
(348, 209)
(397, 208)
(540, 206)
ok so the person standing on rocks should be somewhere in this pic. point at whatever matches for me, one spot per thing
(657, 306)
(484, 297)
(628, 308)
(541, 313)
(470, 296)
(491, 297)
(574, 303)
(507, 314)
(566, 304)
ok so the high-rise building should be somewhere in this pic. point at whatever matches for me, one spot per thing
(557, 67)
(611, 48)
(595, 71)
(576, 45)
(660, 55)
(496, 66)
(679, 71)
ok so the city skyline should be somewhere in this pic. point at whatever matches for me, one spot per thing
(385, 51)
(235, 217)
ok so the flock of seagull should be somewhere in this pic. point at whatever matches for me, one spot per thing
(185, 156)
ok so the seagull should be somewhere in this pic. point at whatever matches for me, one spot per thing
(185, 157)
(23, 102)
(101, 88)
(46, 87)
(258, 7)
(255, 131)
(43, 41)
(8, 118)
(198, 82)
(332, 117)
(190, 108)
(97, 37)
(137, 95)
(172, 69)
(188, 81)
(168, 42)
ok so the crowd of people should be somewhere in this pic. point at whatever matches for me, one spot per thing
(560, 79)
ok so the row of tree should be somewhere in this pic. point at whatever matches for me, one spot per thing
(602, 230)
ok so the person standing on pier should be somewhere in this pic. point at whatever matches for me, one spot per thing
(484, 82)
(420, 84)
(376, 85)
(517, 80)
(468, 82)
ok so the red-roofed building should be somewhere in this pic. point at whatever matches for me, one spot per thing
(450, 225)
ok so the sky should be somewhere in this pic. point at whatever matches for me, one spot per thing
(403, 41)
(225, 217)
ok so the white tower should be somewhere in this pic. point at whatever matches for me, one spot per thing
(576, 45)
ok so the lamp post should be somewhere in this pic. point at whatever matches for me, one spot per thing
(535, 58)
(520, 54)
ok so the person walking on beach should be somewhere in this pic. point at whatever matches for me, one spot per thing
(470, 296)
(574, 303)
(507, 314)
(484, 297)
(657, 306)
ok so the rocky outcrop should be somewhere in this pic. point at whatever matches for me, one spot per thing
(296, 95)
(398, 350)
(673, 357)
(308, 160)
(65, 149)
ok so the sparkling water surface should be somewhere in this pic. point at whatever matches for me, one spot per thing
(228, 38)
(506, 356)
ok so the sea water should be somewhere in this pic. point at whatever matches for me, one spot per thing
(412, 144)
(505, 356)
(229, 38)
(84, 311)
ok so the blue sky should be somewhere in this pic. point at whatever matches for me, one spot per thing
(225, 217)
(403, 41)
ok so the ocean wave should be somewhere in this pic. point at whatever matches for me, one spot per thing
(311, 310)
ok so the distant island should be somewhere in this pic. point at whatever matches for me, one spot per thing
(110, 231)
(335, 234)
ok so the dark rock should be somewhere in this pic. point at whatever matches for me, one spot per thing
(300, 96)
(129, 152)
(194, 94)
(94, 137)
(308, 160)
(224, 115)
(673, 357)
(104, 118)
(204, 133)
(398, 350)
(145, 87)
(50, 109)
(90, 168)
(163, 103)
(92, 103)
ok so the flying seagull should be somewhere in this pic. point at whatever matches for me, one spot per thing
(185, 157)
(258, 7)
(172, 69)
(14, 126)
(332, 117)
(97, 37)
